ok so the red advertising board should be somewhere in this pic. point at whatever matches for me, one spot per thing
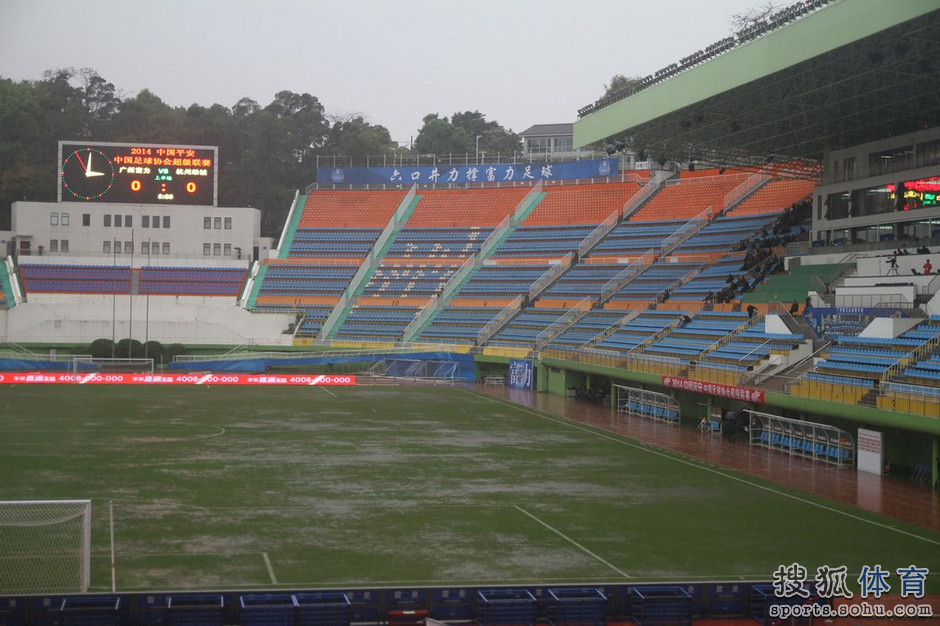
(745, 394)
(201, 378)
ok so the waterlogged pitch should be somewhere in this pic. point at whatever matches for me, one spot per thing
(233, 487)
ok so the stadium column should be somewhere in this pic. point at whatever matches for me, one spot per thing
(935, 475)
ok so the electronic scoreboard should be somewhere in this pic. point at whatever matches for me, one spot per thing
(129, 173)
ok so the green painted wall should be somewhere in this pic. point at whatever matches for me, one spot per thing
(838, 24)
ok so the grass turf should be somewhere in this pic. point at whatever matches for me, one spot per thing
(227, 488)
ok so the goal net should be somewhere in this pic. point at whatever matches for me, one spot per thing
(86, 365)
(45, 546)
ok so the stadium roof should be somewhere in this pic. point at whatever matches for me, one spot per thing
(829, 75)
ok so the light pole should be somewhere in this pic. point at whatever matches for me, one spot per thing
(478, 149)
(147, 320)
(130, 301)
(114, 244)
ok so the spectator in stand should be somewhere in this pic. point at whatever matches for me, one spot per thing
(794, 308)
(927, 267)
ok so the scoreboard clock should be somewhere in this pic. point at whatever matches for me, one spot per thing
(138, 173)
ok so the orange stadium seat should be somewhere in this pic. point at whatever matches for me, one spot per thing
(443, 208)
(581, 204)
(350, 209)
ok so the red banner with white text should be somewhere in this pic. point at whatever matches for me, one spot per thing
(745, 394)
(101, 378)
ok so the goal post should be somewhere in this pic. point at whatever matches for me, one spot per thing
(86, 365)
(45, 546)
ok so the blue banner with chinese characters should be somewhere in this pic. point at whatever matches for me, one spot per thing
(520, 374)
(465, 174)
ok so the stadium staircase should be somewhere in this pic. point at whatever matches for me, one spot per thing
(369, 265)
(7, 300)
(287, 238)
(474, 263)
(290, 226)
(256, 283)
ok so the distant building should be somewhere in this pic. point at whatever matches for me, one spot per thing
(555, 142)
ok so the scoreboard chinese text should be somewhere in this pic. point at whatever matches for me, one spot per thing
(129, 173)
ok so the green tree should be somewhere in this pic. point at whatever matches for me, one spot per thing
(146, 118)
(439, 136)
(357, 139)
(102, 349)
(129, 348)
(301, 124)
(154, 350)
(173, 350)
(494, 139)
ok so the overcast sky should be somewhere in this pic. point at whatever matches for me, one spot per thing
(391, 61)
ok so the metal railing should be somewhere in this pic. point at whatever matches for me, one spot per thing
(550, 275)
(622, 279)
(750, 184)
(688, 229)
(599, 233)
(563, 323)
(501, 318)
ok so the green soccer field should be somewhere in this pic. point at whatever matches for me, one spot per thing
(231, 488)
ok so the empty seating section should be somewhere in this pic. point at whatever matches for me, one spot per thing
(501, 281)
(376, 323)
(583, 281)
(543, 241)
(87, 279)
(776, 195)
(333, 242)
(191, 281)
(350, 209)
(593, 325)
(580, 204)
(853, 365)
(313, 318)
(308, 288)
(302, 281)
(922, 370)
(151, 280)
(459, 324)
(633, 239)
(438, 242)
(466, 208)
(524, 328)
(702, 333)
(688, 198)
(408, 280)
(638, 331)
(653, 282)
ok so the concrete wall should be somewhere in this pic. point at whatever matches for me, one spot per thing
(190, 320)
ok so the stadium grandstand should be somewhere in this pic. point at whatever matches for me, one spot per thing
(767, 255)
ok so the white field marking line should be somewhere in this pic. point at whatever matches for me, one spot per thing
(267, 563)
(677, 459)
(325, 389)
(573, 542)
(219, 432)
